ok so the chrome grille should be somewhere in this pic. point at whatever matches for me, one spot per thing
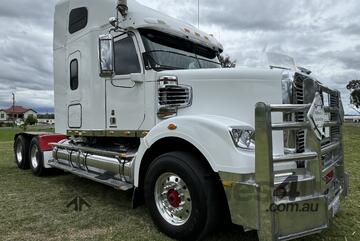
(334, 102)
(298, 90)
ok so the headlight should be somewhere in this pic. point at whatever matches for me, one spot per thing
(243, 138)
(286, 83)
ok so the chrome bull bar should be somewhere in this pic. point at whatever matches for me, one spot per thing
(286, 225)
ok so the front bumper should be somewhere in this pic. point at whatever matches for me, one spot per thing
(292, 204)
(291, 219)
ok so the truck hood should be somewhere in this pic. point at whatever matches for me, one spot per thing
(231, 93)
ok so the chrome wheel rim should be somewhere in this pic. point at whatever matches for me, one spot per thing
(19, 152)
(34, 156)
(172, 198)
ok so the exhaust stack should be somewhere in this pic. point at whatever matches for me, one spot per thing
(122, 7)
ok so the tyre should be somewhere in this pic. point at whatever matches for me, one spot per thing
(36, 158)
(21, 151)
(181, 195)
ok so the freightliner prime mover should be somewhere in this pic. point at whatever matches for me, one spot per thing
(143, 105)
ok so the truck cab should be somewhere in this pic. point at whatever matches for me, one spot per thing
(143, 105)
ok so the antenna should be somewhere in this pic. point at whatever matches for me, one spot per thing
(198, 14)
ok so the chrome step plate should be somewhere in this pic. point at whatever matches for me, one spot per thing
(119, 185)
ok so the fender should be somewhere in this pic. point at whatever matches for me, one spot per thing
(210, 135)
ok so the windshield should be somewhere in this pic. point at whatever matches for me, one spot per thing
(165, 52)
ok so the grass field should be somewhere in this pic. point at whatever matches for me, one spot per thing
(7, 133)
(34, 208)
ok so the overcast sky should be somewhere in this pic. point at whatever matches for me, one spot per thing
(322, 35)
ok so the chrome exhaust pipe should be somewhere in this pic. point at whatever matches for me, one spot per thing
(122, 7)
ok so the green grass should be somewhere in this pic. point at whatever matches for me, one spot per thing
(34, 208)
(8, 133)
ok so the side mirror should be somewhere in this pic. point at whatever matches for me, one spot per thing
(106, 55)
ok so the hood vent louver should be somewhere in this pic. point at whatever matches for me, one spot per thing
(172, 97)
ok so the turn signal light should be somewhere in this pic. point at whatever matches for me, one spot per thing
(172, 126)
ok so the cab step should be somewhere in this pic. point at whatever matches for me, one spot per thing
(109, 181)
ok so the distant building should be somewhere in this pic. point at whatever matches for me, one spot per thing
(352, 118)
(18, 112)
(46, 119)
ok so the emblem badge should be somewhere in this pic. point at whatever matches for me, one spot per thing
(317, 116)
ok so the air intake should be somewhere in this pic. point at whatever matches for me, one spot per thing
(172, 97)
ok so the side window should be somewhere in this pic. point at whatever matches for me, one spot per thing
(74, 74)
(78, 19)
(126, 58)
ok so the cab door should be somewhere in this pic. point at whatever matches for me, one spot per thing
(125, 97)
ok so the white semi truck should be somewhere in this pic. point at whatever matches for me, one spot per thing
(143, 105)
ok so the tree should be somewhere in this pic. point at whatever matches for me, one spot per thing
(226, 61)
(30, 120)
(354, 88)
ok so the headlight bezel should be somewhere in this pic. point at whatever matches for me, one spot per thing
(243, 138)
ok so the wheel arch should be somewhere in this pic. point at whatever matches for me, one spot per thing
(166, 145)
(170, 144)
(207, 136)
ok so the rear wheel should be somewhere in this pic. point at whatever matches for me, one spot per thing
(36, 157)
(21, 151)
(182, 197)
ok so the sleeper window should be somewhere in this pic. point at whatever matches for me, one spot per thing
(126, 59)
(78, 19)
(74, 74)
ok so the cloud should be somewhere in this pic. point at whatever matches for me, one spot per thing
(26, 53)
(323, 36)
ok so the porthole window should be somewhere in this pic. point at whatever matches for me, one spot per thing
(74, 74)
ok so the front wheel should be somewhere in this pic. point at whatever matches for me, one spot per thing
(182, 196)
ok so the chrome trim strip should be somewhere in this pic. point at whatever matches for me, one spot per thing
(290, 126)
(295, 157)
(108, 133)
(330, 147)
(290, 108)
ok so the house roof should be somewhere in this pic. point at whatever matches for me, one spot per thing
(17, 110)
